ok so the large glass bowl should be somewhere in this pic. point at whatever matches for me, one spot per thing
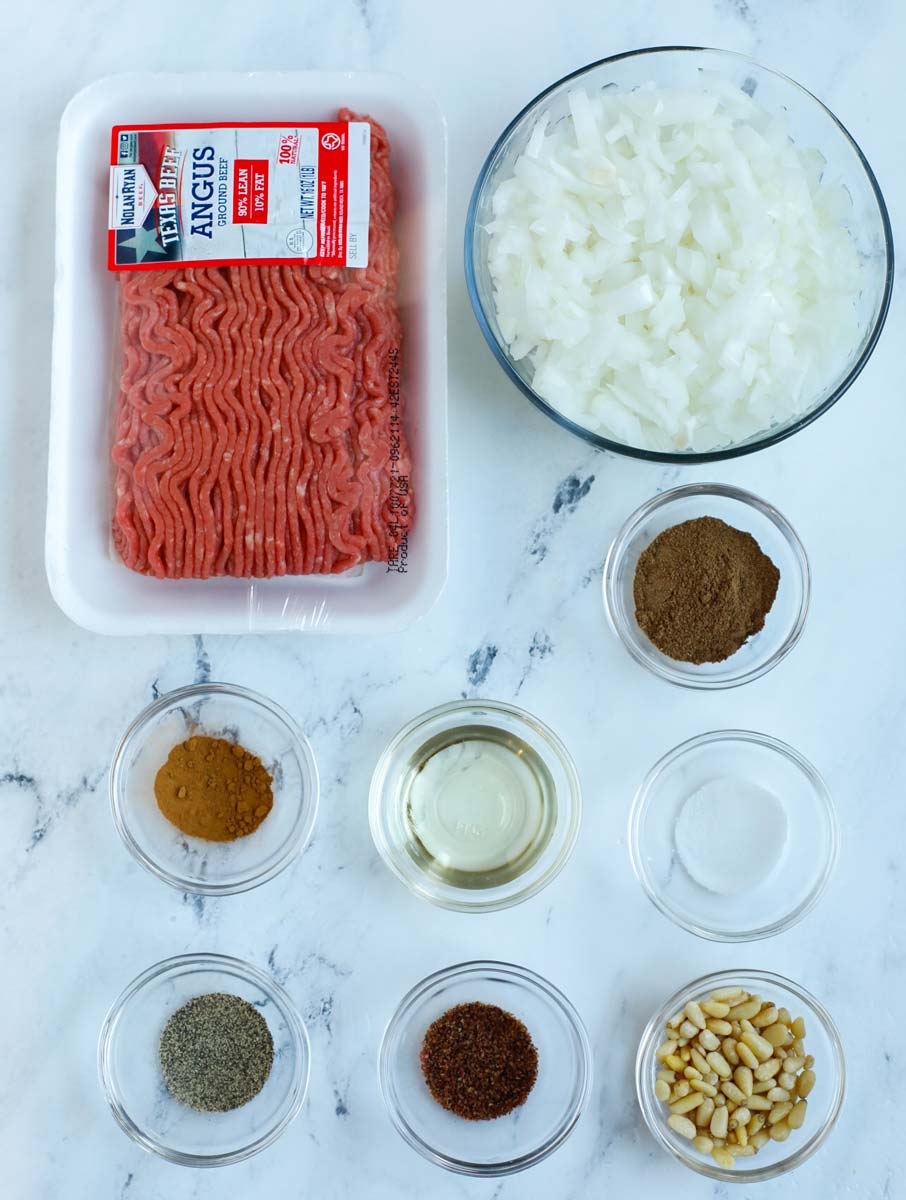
(812, 126)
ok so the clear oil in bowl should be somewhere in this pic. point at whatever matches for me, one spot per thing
(479, 806)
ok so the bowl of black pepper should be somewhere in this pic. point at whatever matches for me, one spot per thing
(707, 586)
(485, 1068)
(204, 1060)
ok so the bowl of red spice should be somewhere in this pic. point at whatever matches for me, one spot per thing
(707, 586)
(485, 1068)
(214, 789)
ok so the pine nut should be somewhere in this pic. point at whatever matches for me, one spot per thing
(708, 1040)
(662, 1090)
(746, 1010)
(762, 1087)
(783, 1014)
(680, 1089)
(668, 1076)
(687, 1103)
(797, 1115)
(760, 1048)
(777, 1035)
(699, 1085)
(741, 1135)
(808, 1062)
(674, 1062)
(732, 1092)
(798, 1027)
(805, 1083)
(780, 1132)
(722, 1157)
(682, 1125)
(699, 1062)
(755, 1125)
(690, 1073)
(727, 995)
(792, 1065)
(704, 1113)
(778, 1094)
(758, 1104)
(746, 1056)
(728, 1049)
(720, 1122)
(742, 1077)
(767, 1016)
(695, 1015)
(767, 1070)
(786, 1080)
(675, 1021)
(688, 1030)
(798, 1047)
(742, 1117)
(685, 1054)
(779, 1111)
(713, 1078)
(715, 1008)
(760, 1139)
(664, 1051)
(719, 1064)
(741, 1151)
(720, 1027)
(703, 1144)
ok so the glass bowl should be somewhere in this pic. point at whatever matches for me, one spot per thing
(193, 864)
(801, 874)
(529, 1133)
(784, 623)
(389, 827)
(822, 1041)
(134, 1087)
(811, 124)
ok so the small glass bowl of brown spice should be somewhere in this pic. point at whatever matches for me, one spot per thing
(214, 789)
(485, 1068)
(137, 1064)
(707, 586)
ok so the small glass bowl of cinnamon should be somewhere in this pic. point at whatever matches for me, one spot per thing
(270, 740)
(742, 511)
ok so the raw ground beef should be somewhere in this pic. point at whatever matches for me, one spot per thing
(252, 431)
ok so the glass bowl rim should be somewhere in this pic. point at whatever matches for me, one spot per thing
(735, 450)
(293, 848)
(177, 965)
(461, 903)
(775, 745)
(653, 1035)
(538, 985)
(677, 674)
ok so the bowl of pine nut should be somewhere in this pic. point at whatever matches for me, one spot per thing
(741, 1076)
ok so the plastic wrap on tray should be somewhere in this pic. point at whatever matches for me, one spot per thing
(258, 422)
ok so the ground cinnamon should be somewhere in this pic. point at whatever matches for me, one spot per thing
(702, 588)
(211, 788)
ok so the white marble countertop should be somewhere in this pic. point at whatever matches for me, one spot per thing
(533, 512)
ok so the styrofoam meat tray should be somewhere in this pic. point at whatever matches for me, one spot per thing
(87, 580)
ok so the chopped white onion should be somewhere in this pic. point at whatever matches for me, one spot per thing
(675, 269)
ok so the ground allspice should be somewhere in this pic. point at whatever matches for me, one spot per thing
(211, 788)
(702, 588)
(479, 1061)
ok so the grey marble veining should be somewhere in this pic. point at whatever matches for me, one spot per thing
(532, 514)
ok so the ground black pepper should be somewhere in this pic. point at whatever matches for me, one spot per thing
(702, 588)
(216, 1052)
(479, 1061)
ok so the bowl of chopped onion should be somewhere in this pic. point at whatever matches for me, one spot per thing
(679, 255)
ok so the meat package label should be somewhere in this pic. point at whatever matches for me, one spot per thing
(222, 194)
